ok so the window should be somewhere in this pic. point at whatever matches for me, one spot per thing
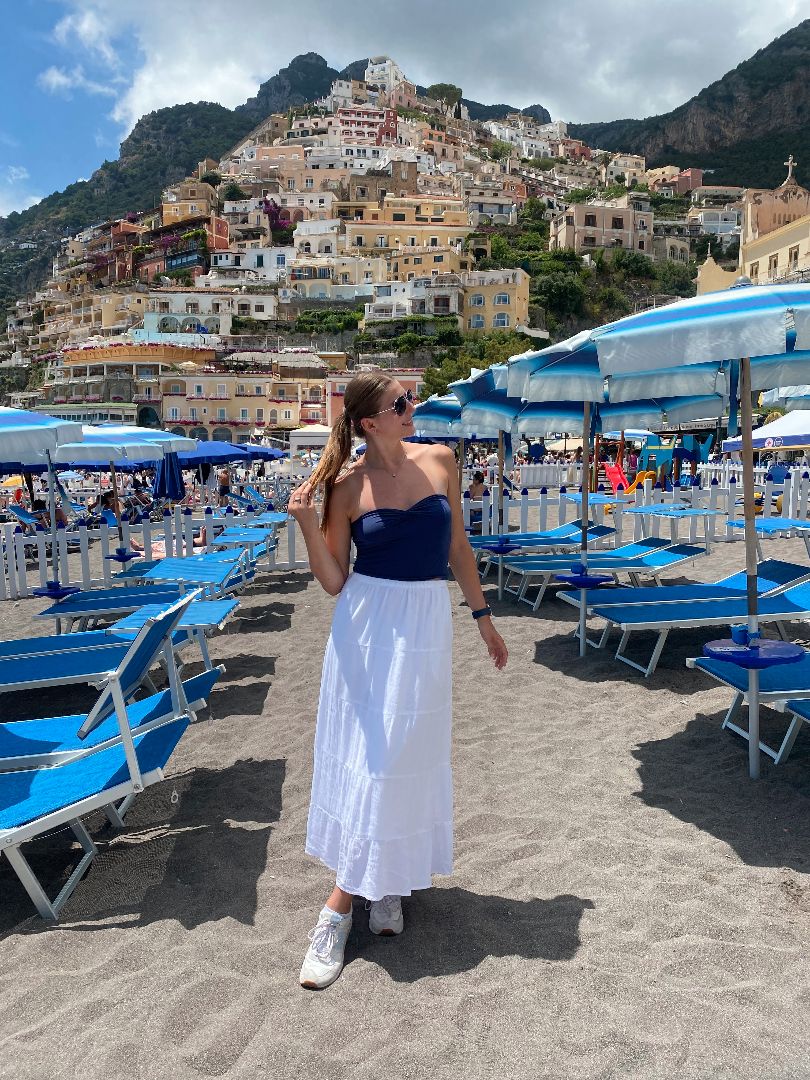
(175, 389)
(501, 319)
(281, 392)
(291, 185)
(341, 389)
(642, 224)
(321, 202)
(192, 413)
(773, 265)
(359, 241)
(398, 217)
(174, 413)
(477, 300)
(641, 245)
(273, 416)
(381, 242)
(753, 271)
(259, 261)
(215, 308)
(793, 257)
(259, 415)
(476, 322)
(237, 260)
(287, 414)
(590, 221)
(198, 391)
(243, 414)
(367, 275)
(434, 241)
(417, 260)
(501, 299)
(221, 414)
(384, 290)
(258, 307)
(281, 260)
(257, 390)
(309, 182)
(438, 258)
(617, 223)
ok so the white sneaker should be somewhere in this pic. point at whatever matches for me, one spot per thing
(324, 959)
(385, 916)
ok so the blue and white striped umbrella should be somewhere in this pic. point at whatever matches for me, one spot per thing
(24, 435)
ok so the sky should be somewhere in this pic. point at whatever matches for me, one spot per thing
(75, 75)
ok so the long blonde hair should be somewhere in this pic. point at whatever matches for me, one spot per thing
(362, 399)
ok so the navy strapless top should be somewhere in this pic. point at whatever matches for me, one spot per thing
(404, 545)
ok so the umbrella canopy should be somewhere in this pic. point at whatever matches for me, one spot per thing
(790, 432)
(168, 479)
(212, 453)
(24, 435)
(263, 453)
(120, 434)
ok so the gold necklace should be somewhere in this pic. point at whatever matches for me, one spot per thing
(392, 474)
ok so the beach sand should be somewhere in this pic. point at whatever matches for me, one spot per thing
(625, 902)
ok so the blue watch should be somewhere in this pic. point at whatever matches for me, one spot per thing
(481, 612)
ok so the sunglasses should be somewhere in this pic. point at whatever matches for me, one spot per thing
(400, 405)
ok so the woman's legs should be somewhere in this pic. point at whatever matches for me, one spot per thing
(340, 901)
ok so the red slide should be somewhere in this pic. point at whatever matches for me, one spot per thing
(616, 476)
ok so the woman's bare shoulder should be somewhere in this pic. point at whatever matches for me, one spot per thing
(346, 492)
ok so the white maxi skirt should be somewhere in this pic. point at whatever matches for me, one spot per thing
(381, 812)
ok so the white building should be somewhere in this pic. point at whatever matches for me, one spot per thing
(383, 72)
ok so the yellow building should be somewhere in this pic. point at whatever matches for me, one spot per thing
(495, 300)
(191, 199)
(405, 264)
(264, 396)
(428, 221)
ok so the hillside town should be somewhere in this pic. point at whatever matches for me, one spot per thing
(360, 230)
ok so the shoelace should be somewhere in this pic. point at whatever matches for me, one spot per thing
(323, 938)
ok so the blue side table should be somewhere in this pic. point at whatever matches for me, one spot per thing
(122, 556)
(754, 654)
(579, 578)
(54, 590)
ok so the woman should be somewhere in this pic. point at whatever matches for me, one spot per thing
(381, 807)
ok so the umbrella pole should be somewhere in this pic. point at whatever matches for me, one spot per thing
(116, 504)
(620, 454)
(750, 560)
(586, 478)
(499, 504)
(52, 510)
(461, 465)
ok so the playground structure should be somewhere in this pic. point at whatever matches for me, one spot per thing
(661, 458)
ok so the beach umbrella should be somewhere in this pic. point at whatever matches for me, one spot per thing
(119, 434)
(212, 453)
(24, 435)
(168, 482)
(789, 432)
(262, 453)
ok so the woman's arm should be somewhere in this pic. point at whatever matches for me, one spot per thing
(462, 563)
(328, 553)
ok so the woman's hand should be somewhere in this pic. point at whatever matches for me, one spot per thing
(493, 641)
(302, 506)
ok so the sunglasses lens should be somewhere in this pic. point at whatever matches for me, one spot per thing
(401, 404)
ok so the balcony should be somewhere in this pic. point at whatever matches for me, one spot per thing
(145, 399)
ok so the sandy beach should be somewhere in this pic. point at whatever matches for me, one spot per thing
(626, 903)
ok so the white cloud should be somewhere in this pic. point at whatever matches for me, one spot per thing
(583, 61)
(10, 201)
(15, 174)
(91, 32)
(58, 81)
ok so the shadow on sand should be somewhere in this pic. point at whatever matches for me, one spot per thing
(453, 930)
(700, 776)
(194, 861)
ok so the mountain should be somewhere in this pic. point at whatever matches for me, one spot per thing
(741, 127)
(497, 112)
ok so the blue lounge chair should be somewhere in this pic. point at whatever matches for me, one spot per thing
(792, 604)
(34, 802)
(90, 605)
(36, 744)
(568, 535)
(785, 687)
(772, 576)
(647, 558)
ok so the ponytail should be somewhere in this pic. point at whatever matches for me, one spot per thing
(337, 452)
